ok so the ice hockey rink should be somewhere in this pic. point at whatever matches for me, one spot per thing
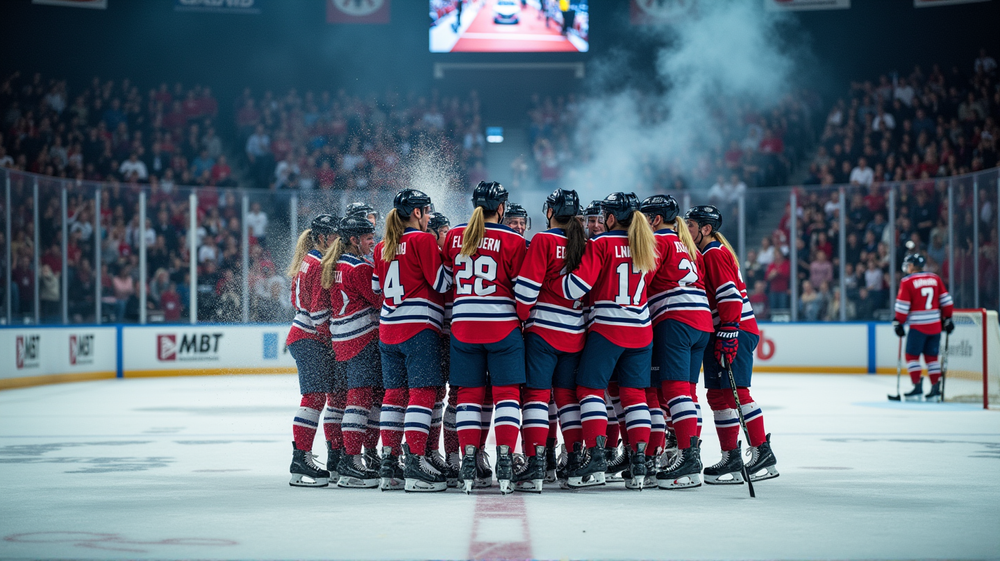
(197, 467)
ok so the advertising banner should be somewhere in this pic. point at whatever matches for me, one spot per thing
(218, 6)
(935, 3)
(357, 11)
(95, 4)
(777, 5)
(205, 349)
(32, 356)
(831, 348)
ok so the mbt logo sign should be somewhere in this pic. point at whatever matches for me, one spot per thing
(28, 351)
(195, 346)
(765, 348)
(81, 349)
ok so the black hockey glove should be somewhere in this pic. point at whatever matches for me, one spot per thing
(900, 332)
(948, 325)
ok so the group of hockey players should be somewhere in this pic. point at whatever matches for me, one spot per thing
(599, 329)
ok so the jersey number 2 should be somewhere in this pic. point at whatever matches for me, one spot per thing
(624, 298)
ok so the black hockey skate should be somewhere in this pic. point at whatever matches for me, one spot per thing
(617, 460)
(372, 459)
(505, 469)
(685, 471)
(917, 393)
(592, 470)
(333, 456)
(636, 467)
(934, 396)
(454, 465)
(305, 472)
(420, 475)
(438, 462)
(484, 473)
(551, 462)
(390, 473)
(570, 461)
(729, 470)
(531, 477)
(467, 473)
(353, 474)
(762, 462)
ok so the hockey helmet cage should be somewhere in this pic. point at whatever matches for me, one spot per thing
(663, 205)
(593, 209)
(437, 222)
(360, 209)
(408, 200)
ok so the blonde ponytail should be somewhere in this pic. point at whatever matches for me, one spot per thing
(302, 247)
(722, 239)
(394, 229)
(686, 239)
(474, 232)
(642, 243)
(330, 259)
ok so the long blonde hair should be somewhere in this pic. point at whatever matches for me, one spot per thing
(722, 239)
(686, 239)
(642, 243)
(329, 262)
(474, 232)
(395, 227)
(302, 247)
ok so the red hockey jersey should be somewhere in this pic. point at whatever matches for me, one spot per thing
(354, 307)
(541, 306)
(923, 301)
(727, 293)
(411, 285)
(677, 290)
(311, 302)
(484, 309)
(617, 289)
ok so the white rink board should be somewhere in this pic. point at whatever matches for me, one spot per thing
(56, 351)
(205, 348)
(786, 347)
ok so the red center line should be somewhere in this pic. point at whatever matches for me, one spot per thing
(500, 528)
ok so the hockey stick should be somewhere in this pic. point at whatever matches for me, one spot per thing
(899, 370)
(743, 423)
(944, 365)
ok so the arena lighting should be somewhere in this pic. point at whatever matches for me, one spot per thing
(494, 135)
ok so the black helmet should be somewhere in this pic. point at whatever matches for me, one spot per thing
(355, 226)
(515, 210)
(564, 204)
(324, 224)
(916, 260)
(705, 214)
(489, 195)
(360, 209)
(593, 209)
(620, 205)
(408, 200)
(663, 205)
(437, 222)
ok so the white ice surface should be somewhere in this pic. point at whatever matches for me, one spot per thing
(197, 468)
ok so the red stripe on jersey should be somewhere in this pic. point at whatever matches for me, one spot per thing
(922, 301)
(311, 302)
(727, 293)
(355, 309)
(412, 285)
(677, 290)
(484, 308)
(544, 310)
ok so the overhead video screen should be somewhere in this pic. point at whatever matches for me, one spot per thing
(509, 26)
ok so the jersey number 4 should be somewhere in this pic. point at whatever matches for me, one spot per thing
(624, 298)
(393, 289)
(484, 268)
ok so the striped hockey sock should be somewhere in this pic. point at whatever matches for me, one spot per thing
(612, 406)
(486, 417)
(637, 419)
(333, 416)
(913, 368)
(553, 419)
(507, 424)
(569, 416)
(437, 418)
(658, 428)
(593, 414)
(417, 422)
(468, 416)
(933, 368)
(355, 423)
(450, 432)
(392, 418)
(752, 416)
(535, 424)
(697, 406)
(683, 412)
(727, 421)
(306, 420)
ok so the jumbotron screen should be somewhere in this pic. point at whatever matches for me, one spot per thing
(509, 26)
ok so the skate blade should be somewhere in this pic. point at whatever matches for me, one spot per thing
(613, 477)
(418, 486)
(683, 482)
(770, 472)
(935, 399)
(532, 486)
(586, 481)
(452, 483)
(483, 483)
(467, 487)
(390, 484)
(550, 476)
(357, 483)
(636, 483)
(913, 398)
(298, 480)
(735, 478)
(505, 487)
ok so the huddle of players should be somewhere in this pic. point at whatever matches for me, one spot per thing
(607, 336)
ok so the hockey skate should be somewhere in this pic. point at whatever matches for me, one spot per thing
(420, 475)
(438, 462)
(467, 473)
(353, 474)
(531, 476)
(390, 473)
(454, 465)
(762, 462)
(934, 396)
(917, 393)
(484, 474)
(505, 469)
(650, 471)
(617, 460)
(636, 467)
(305, 472)
(685, 471)
(568, 463)
(333, 456)
(372, 459)
(592, 469)
(551, 462)
(729, 470)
